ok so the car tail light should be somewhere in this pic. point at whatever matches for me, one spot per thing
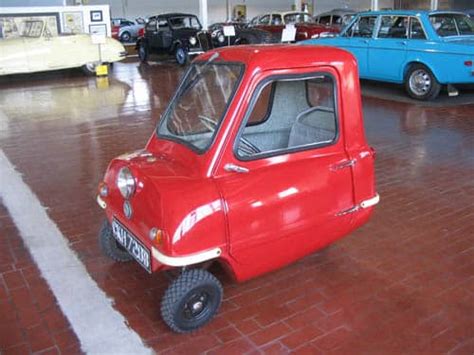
(468, 63)
(141, 32)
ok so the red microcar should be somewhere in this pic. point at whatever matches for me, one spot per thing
(259, 159)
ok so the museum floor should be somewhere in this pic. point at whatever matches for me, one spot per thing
(402, 284)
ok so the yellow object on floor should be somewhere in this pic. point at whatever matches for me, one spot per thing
(102, 70)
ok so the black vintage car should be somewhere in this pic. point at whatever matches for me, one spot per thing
(176, 34)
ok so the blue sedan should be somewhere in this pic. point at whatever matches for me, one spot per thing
(421, 49)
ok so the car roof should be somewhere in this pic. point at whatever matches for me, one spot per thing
(175, 14)
(407, 12)
(280, 56)
(339, 12)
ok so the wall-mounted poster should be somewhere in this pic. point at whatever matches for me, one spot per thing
(13, 25)
(73, 22)
(96, 16)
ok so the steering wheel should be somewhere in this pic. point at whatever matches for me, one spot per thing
(208, 123)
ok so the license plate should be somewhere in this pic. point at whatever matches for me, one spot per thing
(131, 243)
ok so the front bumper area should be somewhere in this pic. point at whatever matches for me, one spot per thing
(190, 259)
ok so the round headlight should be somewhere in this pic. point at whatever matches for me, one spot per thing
(192, 41)
(126, 182)
(221, 38)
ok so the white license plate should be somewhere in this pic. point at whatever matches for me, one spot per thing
(131, 243)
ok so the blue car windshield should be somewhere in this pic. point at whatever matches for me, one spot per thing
(452, 25)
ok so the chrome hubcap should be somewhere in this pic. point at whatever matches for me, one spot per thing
(420, 82)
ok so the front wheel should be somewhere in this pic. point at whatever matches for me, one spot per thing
(421, 84)
(110, 246)
(191, 300)
(181, 55)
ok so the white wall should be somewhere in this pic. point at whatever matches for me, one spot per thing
(11, 3)
(217, 8)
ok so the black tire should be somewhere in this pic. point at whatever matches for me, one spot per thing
(420, 83)
(142, 51)
(181, 55)
(191, 300)
(125, 37)
(110, 246)
(89, 68)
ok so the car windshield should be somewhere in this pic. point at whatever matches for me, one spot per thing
(452, 25)
(32, 29)
(200, 104)
(297, 18)
(185, 22)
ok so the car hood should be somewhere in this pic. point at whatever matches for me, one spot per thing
(185, 32)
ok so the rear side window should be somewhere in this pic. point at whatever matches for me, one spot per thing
(416, 29)
(299, 114)
(393, 27)
(151, 25)
(363, 27)
(325, 20)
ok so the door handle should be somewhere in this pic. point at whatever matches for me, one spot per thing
(235, 168)
(344, 164)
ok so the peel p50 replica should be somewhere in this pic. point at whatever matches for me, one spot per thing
(259, 160)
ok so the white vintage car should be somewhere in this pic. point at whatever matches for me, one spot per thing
(37, 50)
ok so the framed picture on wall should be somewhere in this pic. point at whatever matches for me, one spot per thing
(96, 16)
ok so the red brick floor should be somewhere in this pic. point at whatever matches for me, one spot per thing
(30, 320)
(404, 283)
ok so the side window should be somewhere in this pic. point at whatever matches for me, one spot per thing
(325, 20)
(276, 19)
(290, 115)
(393, 27)
(363, 27)
(264, 20)
(163, 24)
(151, 25)
(336, 20)
(416, 30)
(262, 107)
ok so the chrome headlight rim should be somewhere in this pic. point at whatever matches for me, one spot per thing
(126, 182)
(220, 38)
(192, 41)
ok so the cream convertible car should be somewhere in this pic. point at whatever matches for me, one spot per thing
(37, 50)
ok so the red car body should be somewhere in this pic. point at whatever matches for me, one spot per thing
(252, 216)
(306, 28)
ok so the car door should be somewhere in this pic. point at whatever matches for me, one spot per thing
(164, 35)
(151, 34)
(286, 178)
(356, 40)
(387, 51)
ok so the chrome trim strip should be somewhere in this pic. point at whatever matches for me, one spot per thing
(186, 260)
(370, 202)
(101, 202)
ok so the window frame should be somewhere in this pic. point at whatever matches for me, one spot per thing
(422, 28)
(179, 90)
(279, 152)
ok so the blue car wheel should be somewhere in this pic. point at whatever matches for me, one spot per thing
(181, 55)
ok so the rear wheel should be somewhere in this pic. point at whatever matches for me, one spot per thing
(90, 68)
(110, 246)
(125, 37)
(191, 300)
(421, 84)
